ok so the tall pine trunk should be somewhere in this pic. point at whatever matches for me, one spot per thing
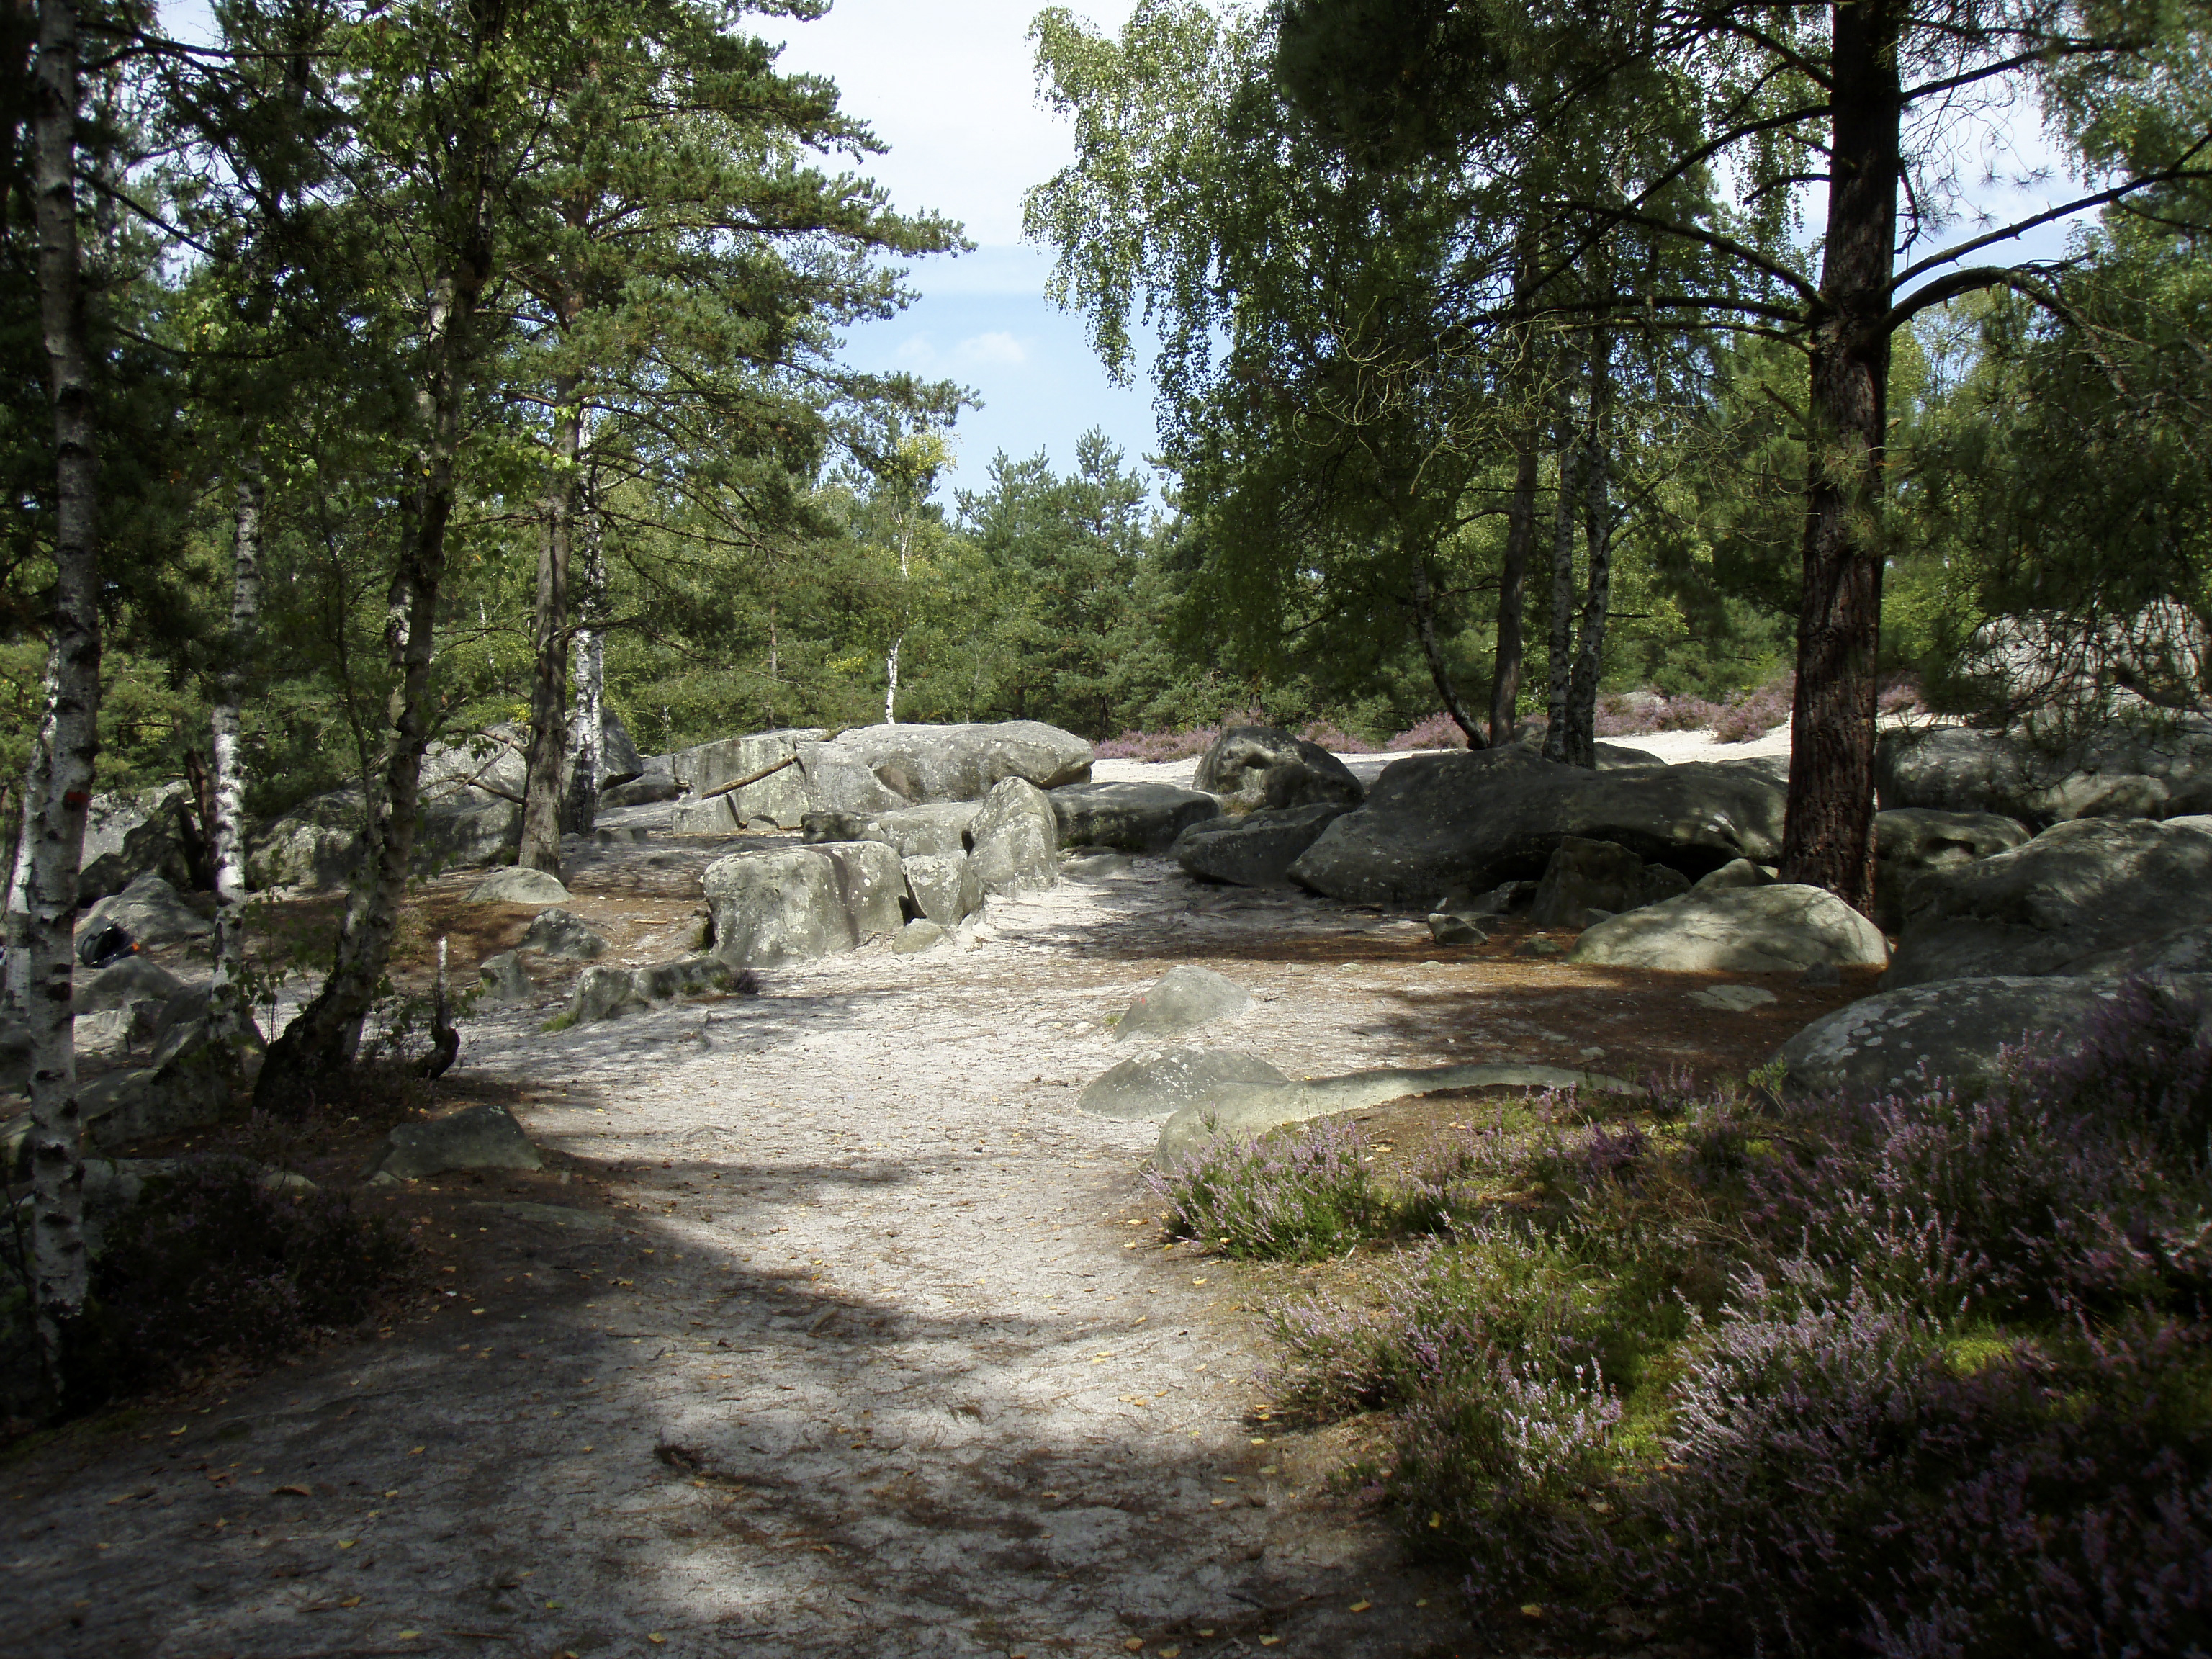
(57, 1158)
(1561, 643)
(1828, 841)
(1597, 600)
(226, 816)
(1512, 589)
(542, 789)
(323, 1034)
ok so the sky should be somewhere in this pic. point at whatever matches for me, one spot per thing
(949, 86)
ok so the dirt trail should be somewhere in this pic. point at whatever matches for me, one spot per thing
(832, 1330)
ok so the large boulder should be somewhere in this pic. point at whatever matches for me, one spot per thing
(940, 831)
(2080, 888)
(879, 768)
(1160, 1085)
(150, 911)
(504, 978)
(319, 843)
(1783, 928)
(1465, 822)
(1016, 838)
(1254, 849)
(1254, 1109)
(1910, 840)
(519, 886)
(771, 907)
(942, 887)
(1185, 997)
(124, 985)
(2142, 766)
(484, 1136)
(612, 993)
(1952, 1030)
(779, 800)
(1252, 766)
(1584, 875)
(1132, 818)
(2184, 950)
(130, 833)
(650, 788)
(559, 933)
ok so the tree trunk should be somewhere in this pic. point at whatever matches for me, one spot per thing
(14, 995)
(542, 789)
(56, 1157)
(227, 1012)
(325, 1034)
(1829, 838)
(1425, 620)
(1561, 644)
(1597, 603)
(587, 766)
(1512, 589)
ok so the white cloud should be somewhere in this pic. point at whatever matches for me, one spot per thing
(997, 348)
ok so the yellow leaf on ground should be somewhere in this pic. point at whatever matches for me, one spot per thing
(1361, 1606)
(345, 1543)
(291, 1492)
(1269, 1641)
(656, 1638)
(350, 1601)
(1134, 1644)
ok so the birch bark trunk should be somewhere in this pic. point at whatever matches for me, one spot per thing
(542, 790)
(588, 767)
(57, 1252)
(227, 1010)
(15, 992)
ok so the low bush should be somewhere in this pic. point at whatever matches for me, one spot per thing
(1929, 1374)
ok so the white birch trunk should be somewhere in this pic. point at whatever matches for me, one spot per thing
(57, 1155)
(227, 1013)
(13, 993)
(587, 768)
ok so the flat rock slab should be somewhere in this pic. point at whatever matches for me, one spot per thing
(516, 885)
(1951, 1031)
(1184, 998)
(1255, 849)
(150, 911)
(480, 1136)
(1733, 998)
(1131, 818)
(1255, 1110)
(1785, 927)
(1160, 1085)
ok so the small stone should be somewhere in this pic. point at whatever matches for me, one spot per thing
(1540, 944)
(504, 978)
(917, 935)
(1447, 928)
(1821, 976)
(481, 1137)
(1736, 998)
(1182, 998)
(558, 933)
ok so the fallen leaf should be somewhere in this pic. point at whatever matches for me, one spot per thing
(410, 1635)
(1134, 1644)
(417, 1451)
(656, 1638)
(1269, 1641)
(290, 1491)
(1531, 1610)
(1169, 1653)
(1361, 1606)
(350, 1601)
(345, 1543)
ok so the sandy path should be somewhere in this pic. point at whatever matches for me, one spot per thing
(851, 1359)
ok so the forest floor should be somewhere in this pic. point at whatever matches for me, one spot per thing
(830, 1326)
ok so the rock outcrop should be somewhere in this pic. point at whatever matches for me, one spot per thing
(1254, 849)
(1131, 818)
(771, 907)
(1253, 767)
(1781, 928)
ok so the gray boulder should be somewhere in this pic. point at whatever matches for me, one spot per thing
(943, 889)
(484, 1136)
(1185, 997)
(517, 885)
(558, 933)
(875, 769)
(1436, 823)
(129, 834)
(939, 831)
(619, 762)
(1449, 928)
(504, 978)
(1254, 849)
(2145, 766)
(771, 907)
(150, 911)
(319, 843)
(2078, 888)
(1134, 817)
(1911, 840)
(779, 800)
(1252, 766)
(1785, 927)
(1583, 875)
(1737, 873)
(14, 1055)
(603, 993)
(1255, 1110)
(2184, 950)
(648, 788)
(916, 936)
(1016, 838)
(1162, 1084)
(124, 985)
(1952, 1030)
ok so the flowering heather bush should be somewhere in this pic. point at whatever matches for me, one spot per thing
(1177, 746)
(1335, 739)
(1917, 1377)
(1436, 732)
(1295, 1197)
(1737, 719)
